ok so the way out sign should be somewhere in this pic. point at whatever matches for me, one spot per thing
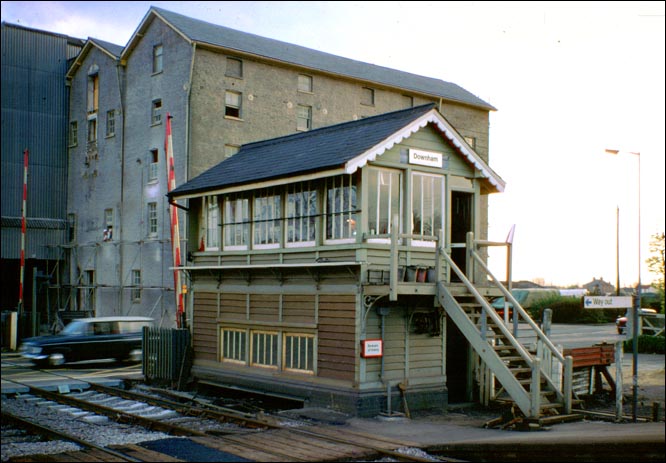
(607, 302)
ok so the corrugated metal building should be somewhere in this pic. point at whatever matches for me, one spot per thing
(35, 109)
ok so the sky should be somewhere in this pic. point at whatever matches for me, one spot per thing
(569, 80)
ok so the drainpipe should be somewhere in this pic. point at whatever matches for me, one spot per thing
(383, 312)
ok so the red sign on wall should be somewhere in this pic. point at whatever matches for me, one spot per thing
(372, 348)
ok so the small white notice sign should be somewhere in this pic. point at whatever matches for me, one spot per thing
(372, 348)
(425, 158)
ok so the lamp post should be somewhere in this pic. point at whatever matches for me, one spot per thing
(637, 300)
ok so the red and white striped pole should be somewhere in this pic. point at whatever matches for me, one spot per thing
(175, 234)
(23, 229)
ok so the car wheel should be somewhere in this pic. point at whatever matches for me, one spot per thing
(57, 359)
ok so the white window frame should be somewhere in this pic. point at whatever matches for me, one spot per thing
(391, 180)
(295, 363)
(233, 101)
(233, 345)
(236, 223)
(303, 117)
(158, 55)
(265, 349)
(156, 112)
(302, 212)
(212, 220)
(267, 219)
(340, 210)
(135, 293)
(305, 83)
(152, 219)
(153, 169)
(423, 243)
(110, 123)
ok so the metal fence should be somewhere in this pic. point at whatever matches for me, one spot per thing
(167, 356)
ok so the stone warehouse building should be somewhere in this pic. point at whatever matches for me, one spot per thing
(223, 89)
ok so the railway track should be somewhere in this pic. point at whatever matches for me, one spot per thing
(186, 431)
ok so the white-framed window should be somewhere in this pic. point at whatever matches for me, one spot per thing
(232, 104)
(157, 58)
(303, 117)
(153, 169)
(427, 206)
(267, 218)
(234, 345)
(236, 222)
(368, 96)
(73, 133)
(110, 123)
(304, 83)
(302, 214)
(264, 349)
(340, 209)
(212, 220)
(156, 112)
(298, 352)
(136, 286)
(234, 68)
(152, 219)
(384, 199)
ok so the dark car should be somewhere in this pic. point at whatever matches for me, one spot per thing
(621, 322)
(89, 339)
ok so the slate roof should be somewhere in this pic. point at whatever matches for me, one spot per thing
(212, 34)
(327, 148)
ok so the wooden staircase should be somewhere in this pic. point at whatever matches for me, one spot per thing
(513, 372)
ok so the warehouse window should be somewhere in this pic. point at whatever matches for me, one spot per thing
(303, 117)
(110, 123)
(157, 58)
(156, 112)
(153, 170)
(232, 102)
(367, 96)
(234, 68)
(304, 83)
(136, 286)
(152, 219)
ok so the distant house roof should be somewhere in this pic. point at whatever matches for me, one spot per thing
(346, 147)
(203, 32)
(112, 50)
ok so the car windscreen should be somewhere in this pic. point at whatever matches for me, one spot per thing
(76, 328)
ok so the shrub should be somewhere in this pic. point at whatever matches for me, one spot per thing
(569, 309)
(647, 344)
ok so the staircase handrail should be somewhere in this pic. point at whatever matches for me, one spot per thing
(517, 307)
(487, 308)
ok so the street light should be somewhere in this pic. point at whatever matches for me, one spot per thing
(637, 301)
